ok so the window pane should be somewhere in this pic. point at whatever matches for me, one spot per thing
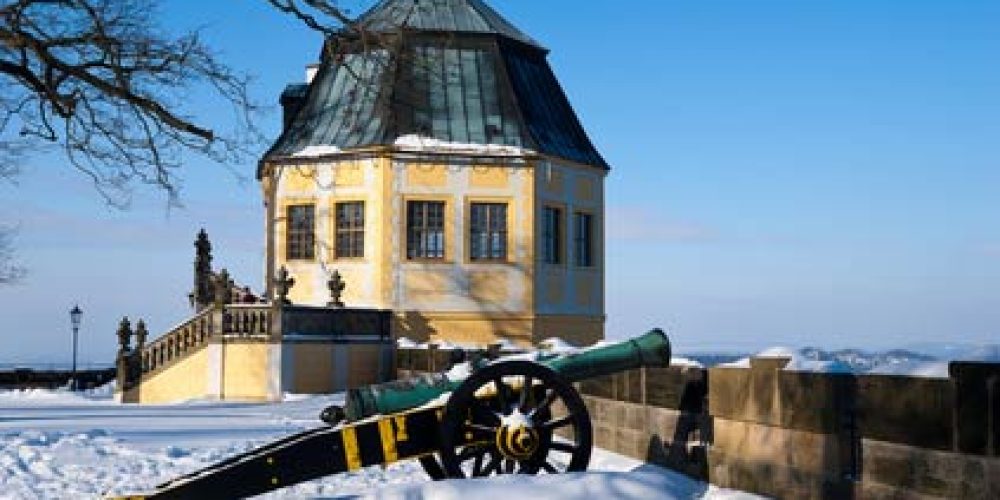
(552, 235)
(350, 230)
(488, 231)
(584, 239)
(300, 238)
(425, 230)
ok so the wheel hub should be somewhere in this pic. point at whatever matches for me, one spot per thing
(517, 437)
(518, 443)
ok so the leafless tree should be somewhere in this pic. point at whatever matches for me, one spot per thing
(325, 16)
(9, 271)
(102, 80)
(344, 33)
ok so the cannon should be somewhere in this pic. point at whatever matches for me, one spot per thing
(509, 416)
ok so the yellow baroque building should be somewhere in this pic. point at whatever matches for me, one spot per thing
(433, 171)
(447, 180)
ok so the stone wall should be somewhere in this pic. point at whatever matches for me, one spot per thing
(799, 435)
(27, 378)
(653, 414)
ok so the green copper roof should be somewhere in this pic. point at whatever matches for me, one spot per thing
(452, 16)
(464, 88)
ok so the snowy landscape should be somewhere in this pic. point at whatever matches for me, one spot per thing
(56, 444)
(59, 444)
(819, 177)
(901, 362)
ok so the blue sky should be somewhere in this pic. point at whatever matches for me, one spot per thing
(785, 172)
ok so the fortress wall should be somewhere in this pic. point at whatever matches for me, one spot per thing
(796, 434)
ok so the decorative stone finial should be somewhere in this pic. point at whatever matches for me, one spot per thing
(223, 288)
(140, 334)
(283, 284)
(336, 285)
(202, 295)
(124, 334)
(202, 244)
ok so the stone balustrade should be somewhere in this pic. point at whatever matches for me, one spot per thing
(247, 320)
(236, 326)
(190, 335)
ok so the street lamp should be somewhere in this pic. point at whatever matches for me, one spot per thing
(74, 317)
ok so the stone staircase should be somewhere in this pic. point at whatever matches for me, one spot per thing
(239, 346)
(224, 349)
(230, 321)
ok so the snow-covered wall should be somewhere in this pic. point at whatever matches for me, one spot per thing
(791, 428)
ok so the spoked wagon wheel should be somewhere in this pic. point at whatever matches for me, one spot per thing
(502, 420)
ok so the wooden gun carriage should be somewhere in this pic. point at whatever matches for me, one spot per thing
(513, 416)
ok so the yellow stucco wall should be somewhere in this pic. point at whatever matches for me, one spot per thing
(184, 380)
(463, 299)
(302, 178)
(240, 370)
(427, 286)
(489, 287)
(483, 329)
(469, 328)
(425, 175)
(349, 173)
(246, 371)
(495, 177)
(577, 330)
(385, 253)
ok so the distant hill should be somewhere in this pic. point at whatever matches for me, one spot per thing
(863, 361)
(891, 362)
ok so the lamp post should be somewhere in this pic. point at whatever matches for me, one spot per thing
(74, 317)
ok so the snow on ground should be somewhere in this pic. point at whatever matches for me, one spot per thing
(57, 444)
(642, 482)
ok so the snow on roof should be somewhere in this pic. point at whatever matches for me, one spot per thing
(422, 144)
(316, 151)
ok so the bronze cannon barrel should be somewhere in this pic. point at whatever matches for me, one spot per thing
(651, 349)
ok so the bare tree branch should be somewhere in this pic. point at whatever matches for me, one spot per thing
(339, 18)
(370, 55)
(104, 81)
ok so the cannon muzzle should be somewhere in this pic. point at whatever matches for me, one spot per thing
(651, 349)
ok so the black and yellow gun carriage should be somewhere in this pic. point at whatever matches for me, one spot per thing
(507, 417)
